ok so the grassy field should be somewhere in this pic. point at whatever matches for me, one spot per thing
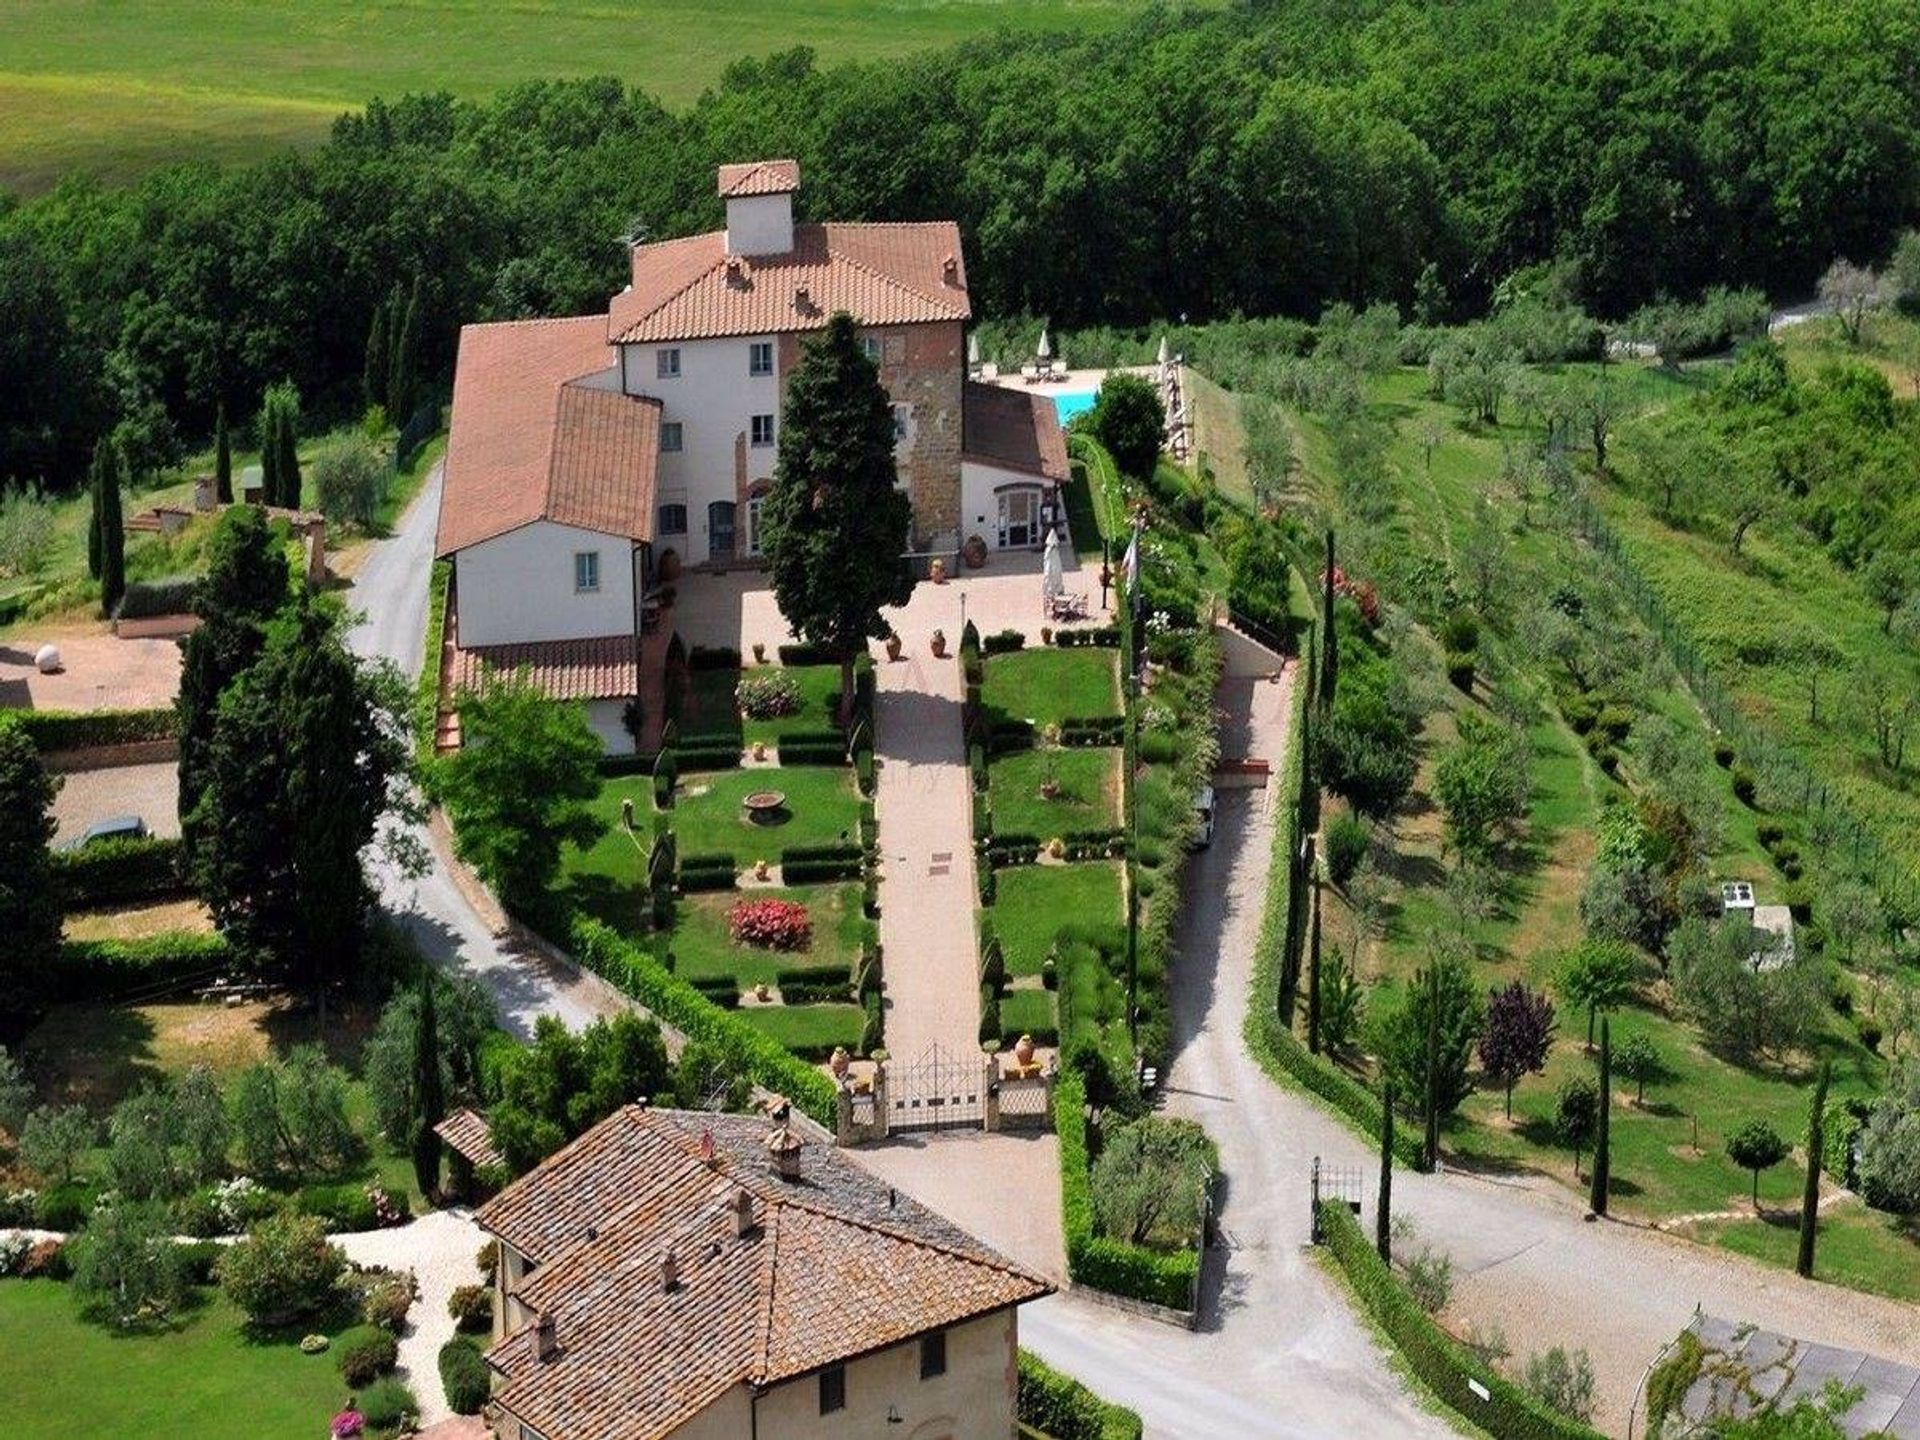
(206, 1376)
(113, 89)
(1048, 686)
(1088, 798)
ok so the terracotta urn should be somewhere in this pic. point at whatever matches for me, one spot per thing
(759, 749)
(937, 572)
(760, 871)
(839, 1062)
(939, 640)
(669, 566)
(1023, 1050)
(893, 646)
(759, 653)
(761, 991)
(973, 554)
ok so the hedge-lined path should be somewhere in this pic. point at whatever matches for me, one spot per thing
(457, 930)
(442, 1250)
(928, 935)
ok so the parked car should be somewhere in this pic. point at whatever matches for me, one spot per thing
(1203, 807)
(120, 827)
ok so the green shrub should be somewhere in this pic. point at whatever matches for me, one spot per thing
(1723, 754)
(389, 1406)
(166, 595)
(426, 692)
(1061, 1407)
(1615, 722)
(365, 1353)
(1347, 838)
(119, 872)
(284, 1269)
(103, 969)
(1460, 670)
(1508, 1412)
(52, 731)
(387, 1302)
(989, 1015)
(1769, 833)
(1744, 785)
(464, 1376)
(64, 1207)
(1003, 642)
(863, 771)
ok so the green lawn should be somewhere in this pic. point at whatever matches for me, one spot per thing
(65, 1377)
(1048, 685)
(1033, 901)
(115, 89)
(811, 1030)
(1089, 797)
(1027, 1012)
(703, 949)
(710, 709)
(1858, 1247)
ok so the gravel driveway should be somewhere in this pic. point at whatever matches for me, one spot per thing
(150, 791)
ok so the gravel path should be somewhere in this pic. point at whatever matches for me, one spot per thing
(441, 1249)
(150, 791)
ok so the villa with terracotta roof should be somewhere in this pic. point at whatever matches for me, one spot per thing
(590, 457)
(704, 1276)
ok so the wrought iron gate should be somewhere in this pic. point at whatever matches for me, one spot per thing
(939, 1091)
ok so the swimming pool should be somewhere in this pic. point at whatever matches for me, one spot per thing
(1069, 403)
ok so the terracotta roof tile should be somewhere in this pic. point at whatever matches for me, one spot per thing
(1013, 429)
(833, 1266)
(600, 668)
(469, 1134)
(759, 177)
(881, 274)
(533, 437)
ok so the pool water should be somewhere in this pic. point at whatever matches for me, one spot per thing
(1069, 403)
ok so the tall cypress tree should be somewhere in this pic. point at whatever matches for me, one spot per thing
(405, 330)
(1431, 1142)
(113, 535)
(268, 426)
(1383, 1212)
(429, 1096)
(29, 894)
(1313, 973)
(1330, 640)
(222, 457)
(373, 380)
(1602, 1138)
(288, 467)
(1816, 1148)
(102, 463)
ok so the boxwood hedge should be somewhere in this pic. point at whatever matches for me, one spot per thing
(119, 872)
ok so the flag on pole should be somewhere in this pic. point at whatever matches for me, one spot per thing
(1130, 564)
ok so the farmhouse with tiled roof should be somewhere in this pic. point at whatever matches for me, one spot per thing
(701, 1275)
(589, 457)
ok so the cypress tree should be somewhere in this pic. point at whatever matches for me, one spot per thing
(1383, 1212)
(373, 381)
(1330, 658)
(29, 894)
(102, 463)
(269, 436)
(113, 535)
(429, 1097)
(288, 468)
(1602, 1147)
(1431, 1142)
(405, 330)
(222, 457)
(1313, 974)
(1816, 1148)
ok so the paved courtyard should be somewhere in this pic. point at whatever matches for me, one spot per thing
(101, 671)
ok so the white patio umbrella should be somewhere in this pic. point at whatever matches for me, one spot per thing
(1166, 352)
(1053, 580)
(973, 350)
(1045, 352)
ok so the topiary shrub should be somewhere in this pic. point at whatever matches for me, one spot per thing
(471, 1307)
(1347, 838)
(463, 1374)
(365, 1353)
(388, 1405)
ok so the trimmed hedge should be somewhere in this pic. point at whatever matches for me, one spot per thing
(806, 863)
(104, 969)
(426, 688)
(169, 595)
(1508, 1412)
(769, 1063)
(1094, 730)
(1093, 1259)
(1061, 1407)
(119, 872)
(1003, 642)
(809, 654)
(808, 750)
(52, 731)
(697, 756)
(465, 1377)
(1105, 637)
(1008, 736)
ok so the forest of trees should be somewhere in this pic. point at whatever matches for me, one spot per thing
(1265, 159)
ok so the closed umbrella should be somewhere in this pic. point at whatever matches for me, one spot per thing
(973, 350)
(1166, 353)
(1053, 580)
(1045, 352)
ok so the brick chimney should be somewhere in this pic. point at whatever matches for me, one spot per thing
(783, 1148)
(669, 1272)
(744, 1220)
(546, 1338)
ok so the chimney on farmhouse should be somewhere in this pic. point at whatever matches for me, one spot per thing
(669, 1272)
(783, 1147)
(546, 1337)
(759, 198)
(744, 1223)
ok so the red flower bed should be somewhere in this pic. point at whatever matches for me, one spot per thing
(770, 924)
(1361, 592)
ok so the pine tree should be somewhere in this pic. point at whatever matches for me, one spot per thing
(29, 895)
(269, 438)
(1330, 655)
(113, 535)
(373, 380)
(1383, 1212)
(1816, 1149)
(245, 586)
(1313, 974)
(1431, 1142)
(429, 1097)
(222, 457)
(1602, 1138)
(96, 486)
(836, 522)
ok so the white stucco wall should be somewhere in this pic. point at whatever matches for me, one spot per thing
(979, 502)
(606, 719)
(518, 587)
(974, 1400)
(713, 399)
(760, 225)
